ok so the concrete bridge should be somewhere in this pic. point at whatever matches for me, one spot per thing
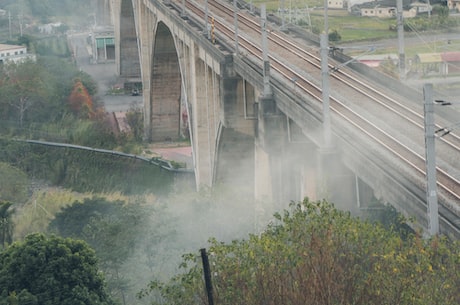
(267, 146)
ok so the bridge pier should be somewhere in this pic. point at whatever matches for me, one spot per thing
(127, 54)
(205, 123)
(235, 164)
(336, 183)
(270, 153)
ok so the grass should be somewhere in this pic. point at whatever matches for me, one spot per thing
(351, 28)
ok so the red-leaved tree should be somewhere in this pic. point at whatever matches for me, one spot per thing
(80, 101)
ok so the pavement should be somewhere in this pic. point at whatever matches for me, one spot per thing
(181, 154)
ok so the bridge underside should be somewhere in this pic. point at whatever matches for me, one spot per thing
(236, 140)
(165, 88)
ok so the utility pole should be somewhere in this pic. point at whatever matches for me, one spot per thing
(9, 23)
(206, 25)
(324, 46)
(430, 161)
(400, 25)
(283, 17)
(266, 63)
(207, 276)
(235, 21)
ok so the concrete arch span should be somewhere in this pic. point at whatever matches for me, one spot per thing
(183, 73)
(166, 88)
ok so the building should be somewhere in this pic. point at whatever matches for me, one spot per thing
(374, 61)
(422, 8)
(378, 11)
(335, 4)
(103, 44)
(14, 53)
(387, 9)
(443, 64)
(453, 5)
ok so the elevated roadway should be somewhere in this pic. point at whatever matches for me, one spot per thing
(273, 144)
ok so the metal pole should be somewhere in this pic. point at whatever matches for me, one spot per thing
(207, 276)
(235, 21)
(266, 70)
(326, 22)
(283, 21)
(9, 23)
(400, 25)
(325, 90)
(206, 26)
(183, 9)
(430, 161)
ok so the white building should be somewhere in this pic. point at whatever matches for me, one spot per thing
(13, 53)
(453, 5)
(378, 11)
(335, 4)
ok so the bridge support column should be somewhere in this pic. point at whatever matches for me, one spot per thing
(269, 153)
(235, 166)
(205, 123)
(336, 183)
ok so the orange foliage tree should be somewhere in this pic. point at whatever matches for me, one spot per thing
(80, 100)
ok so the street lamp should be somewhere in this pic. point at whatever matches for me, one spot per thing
(430, 156)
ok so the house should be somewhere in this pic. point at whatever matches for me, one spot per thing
(49, 28)
(14, 53)
(378, 11)
(453, 5)
(421, 8)
(335, 4)
(387, 9)
(446, 63)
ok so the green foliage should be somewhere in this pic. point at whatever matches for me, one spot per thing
(6, 223)
(52, 46)
(388, 217)
(39, 101)
(85, 171)
(71, 220)
(334, 36)
(115, 229)
(51, 270)
(13, 183)
(24, 90)
(135, 121)
(315, 254)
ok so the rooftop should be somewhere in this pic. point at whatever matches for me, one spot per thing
(4, 47)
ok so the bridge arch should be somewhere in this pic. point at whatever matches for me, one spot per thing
(165, 94)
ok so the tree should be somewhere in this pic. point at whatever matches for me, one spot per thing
(112, 228)
(13, 184)
(315, 254)
(135, 121)
(51, 271)
(6, 223)
(23, 86)
(334, 36)
(80, 101)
